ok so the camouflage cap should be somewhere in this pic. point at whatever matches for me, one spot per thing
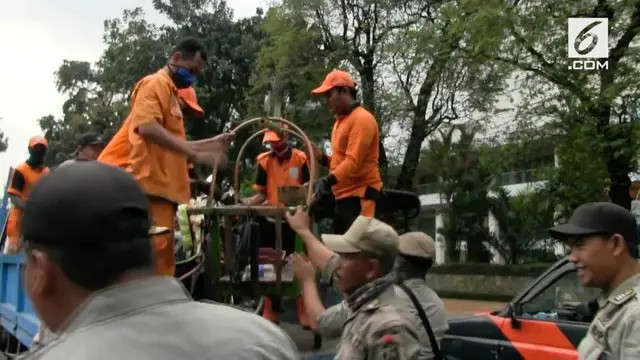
(366, 234)
(417, 244)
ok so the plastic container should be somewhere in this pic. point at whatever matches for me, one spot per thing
(184, 227)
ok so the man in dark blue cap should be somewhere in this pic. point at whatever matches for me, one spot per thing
(89, 273)
(603, 238)
(89, 145)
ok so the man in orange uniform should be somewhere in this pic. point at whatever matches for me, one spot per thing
(354, 175)
(281, 166)
(156, 152)
(117, 151)
(24, 177)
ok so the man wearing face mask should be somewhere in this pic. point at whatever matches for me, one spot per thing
(281, 166)
(354, 177)
(158, 152)
(24, 177)
(117, 151)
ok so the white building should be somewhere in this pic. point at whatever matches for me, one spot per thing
(431, 217)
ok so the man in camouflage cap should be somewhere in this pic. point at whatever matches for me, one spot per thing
(376, 329)
(416, 255)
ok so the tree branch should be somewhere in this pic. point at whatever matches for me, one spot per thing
(618, 51)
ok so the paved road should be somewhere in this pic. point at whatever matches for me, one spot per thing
(304, 339)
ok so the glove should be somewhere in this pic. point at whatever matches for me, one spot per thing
(325, 184)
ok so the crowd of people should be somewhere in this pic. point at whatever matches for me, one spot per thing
(97, 233)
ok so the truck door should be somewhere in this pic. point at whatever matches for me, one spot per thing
(545, 323)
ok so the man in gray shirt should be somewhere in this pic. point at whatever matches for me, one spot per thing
(89, 146)
(89, 275)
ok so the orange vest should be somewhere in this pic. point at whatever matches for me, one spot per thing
(31, 177)
(281, 173)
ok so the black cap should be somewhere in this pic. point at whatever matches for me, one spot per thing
(86, 204)
(90, 138)
(598, 218)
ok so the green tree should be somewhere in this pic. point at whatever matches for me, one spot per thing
(291, 63)
(4, 141)
(98, 94)
(438, 84)
(523, 220)
(356, 34)
(464, 181)
(530, 38)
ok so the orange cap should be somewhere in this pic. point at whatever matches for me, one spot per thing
(335, 78)
(38, 140)
(273, 135)
(270, 136)
(188, 95)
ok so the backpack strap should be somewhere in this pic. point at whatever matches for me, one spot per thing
(435, 347)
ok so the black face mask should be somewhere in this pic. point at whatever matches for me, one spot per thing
(36, 155)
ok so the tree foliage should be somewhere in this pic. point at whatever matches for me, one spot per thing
(465, 181)
(4, 141)
(522, 221)
(530, 37)
(432, 72)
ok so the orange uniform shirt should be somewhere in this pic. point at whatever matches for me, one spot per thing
(23, 180)
(355, 152)
(159, 172)
(117, 151)
(273, 173)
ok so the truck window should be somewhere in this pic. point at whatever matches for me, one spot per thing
(564, 293)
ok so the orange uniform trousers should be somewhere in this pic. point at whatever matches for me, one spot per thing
(14, 235)
(163, 214)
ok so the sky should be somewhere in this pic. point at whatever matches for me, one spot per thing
(36, 36)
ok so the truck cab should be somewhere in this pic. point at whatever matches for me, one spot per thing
(546, 320)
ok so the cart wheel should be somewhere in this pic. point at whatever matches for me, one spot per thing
(317, 341)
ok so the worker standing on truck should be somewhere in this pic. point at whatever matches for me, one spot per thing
(157, 152)
(89, 273)
(416, 254)
(603, 238)
(375, 327)
(354, 177)
(117, 151)
(282, 165)
(89, 146)
(23, 178)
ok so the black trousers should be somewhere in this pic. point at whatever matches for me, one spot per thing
(347, 210)
(268, 235)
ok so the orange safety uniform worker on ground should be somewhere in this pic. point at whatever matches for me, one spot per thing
(24, 177)
(281, 166)
(157, 152)
(354, 175)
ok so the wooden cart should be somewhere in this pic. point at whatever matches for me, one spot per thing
(219, 253)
